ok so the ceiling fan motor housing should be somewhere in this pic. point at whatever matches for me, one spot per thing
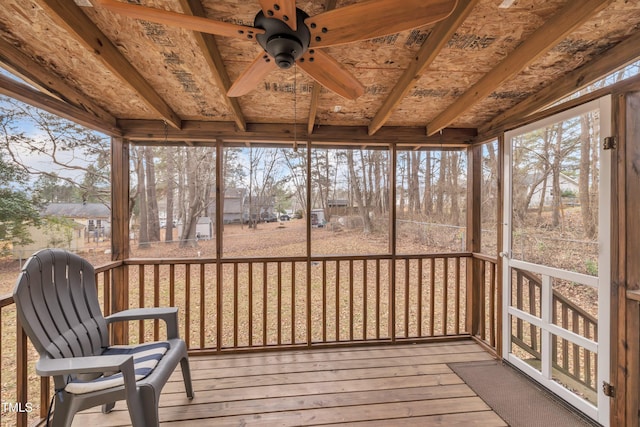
(283, 44)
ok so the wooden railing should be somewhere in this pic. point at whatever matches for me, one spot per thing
(570, 360)
(265, 303)
(489, 305)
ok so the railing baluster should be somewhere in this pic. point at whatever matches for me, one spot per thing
(45, 389)
(235, 304)
(445, 294)
(250, 289)
(172, 285)
(264, 304)
(406, 297)
(203, 305)
(565, 343)
(293, 303)
(492, 307)
(141, 297)
(156, 300)
(187, 304)
(457, 296)
(365, 299)
(106, 290)
(378, 299)
(350, 300)
(419, 297)
(324, 300)
(432, 298)
(279, 300)
(337, 300)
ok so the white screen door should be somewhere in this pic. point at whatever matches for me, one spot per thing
(556, 305)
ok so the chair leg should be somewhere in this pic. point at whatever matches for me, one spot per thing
(186, 375)
(149, 399)
(63, 413)
(108, 407)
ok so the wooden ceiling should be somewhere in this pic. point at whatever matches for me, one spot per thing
(482, 65)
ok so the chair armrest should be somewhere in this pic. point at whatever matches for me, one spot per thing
(81, 365)
(168, 314)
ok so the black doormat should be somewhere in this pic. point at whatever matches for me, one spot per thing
(517, 399)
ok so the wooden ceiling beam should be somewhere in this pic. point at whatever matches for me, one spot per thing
(209, 48)
(441, 34)
(615, 58)
(555, 29)
(70, 17)
(207, 132)
(28, 95)
(32, 72)
(317, 87)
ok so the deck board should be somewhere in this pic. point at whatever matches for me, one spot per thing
(381, 385)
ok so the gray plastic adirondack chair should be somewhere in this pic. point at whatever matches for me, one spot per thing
(57, 303)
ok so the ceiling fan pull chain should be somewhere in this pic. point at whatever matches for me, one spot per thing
(295, 107)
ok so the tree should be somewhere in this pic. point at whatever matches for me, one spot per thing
(153, 220)
(17, 210)
(52, 189)
(67, 153)
(198, 175)
(296, 161)
(588, 167)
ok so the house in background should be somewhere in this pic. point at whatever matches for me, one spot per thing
(235, 205)
(568, 186)
(95, 217)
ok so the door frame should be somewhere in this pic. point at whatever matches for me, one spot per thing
(601, 412)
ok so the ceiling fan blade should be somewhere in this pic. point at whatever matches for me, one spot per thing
(252, 75)
(189, 22)
(284, 10)
(374, 18)
(330, 74)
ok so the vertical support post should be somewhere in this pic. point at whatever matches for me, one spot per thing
(625, 336)
(392, 239)
(474, 267)
(119, 233)
(219, 241)
(307, 215)
(499, 244)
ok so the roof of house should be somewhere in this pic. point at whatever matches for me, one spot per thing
(78, 210)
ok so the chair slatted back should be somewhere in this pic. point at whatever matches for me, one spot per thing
(57, 303)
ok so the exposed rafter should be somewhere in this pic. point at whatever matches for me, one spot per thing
(21, 65)
(617, 57)
(211, 54)
(315, 94)
(24, 93)
(570, 17)
(69, 16)
(431, 47)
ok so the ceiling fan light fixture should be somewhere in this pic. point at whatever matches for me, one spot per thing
(285, 50)
(282, 43)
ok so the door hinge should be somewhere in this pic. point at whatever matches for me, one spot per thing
(610, 142)
(608, 389)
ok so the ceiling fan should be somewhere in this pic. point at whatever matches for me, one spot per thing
(288, 35)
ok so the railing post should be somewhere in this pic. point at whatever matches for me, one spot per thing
(474, 266)
(119, 233)
(21, 374)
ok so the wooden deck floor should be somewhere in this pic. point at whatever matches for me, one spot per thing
(383, 385)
